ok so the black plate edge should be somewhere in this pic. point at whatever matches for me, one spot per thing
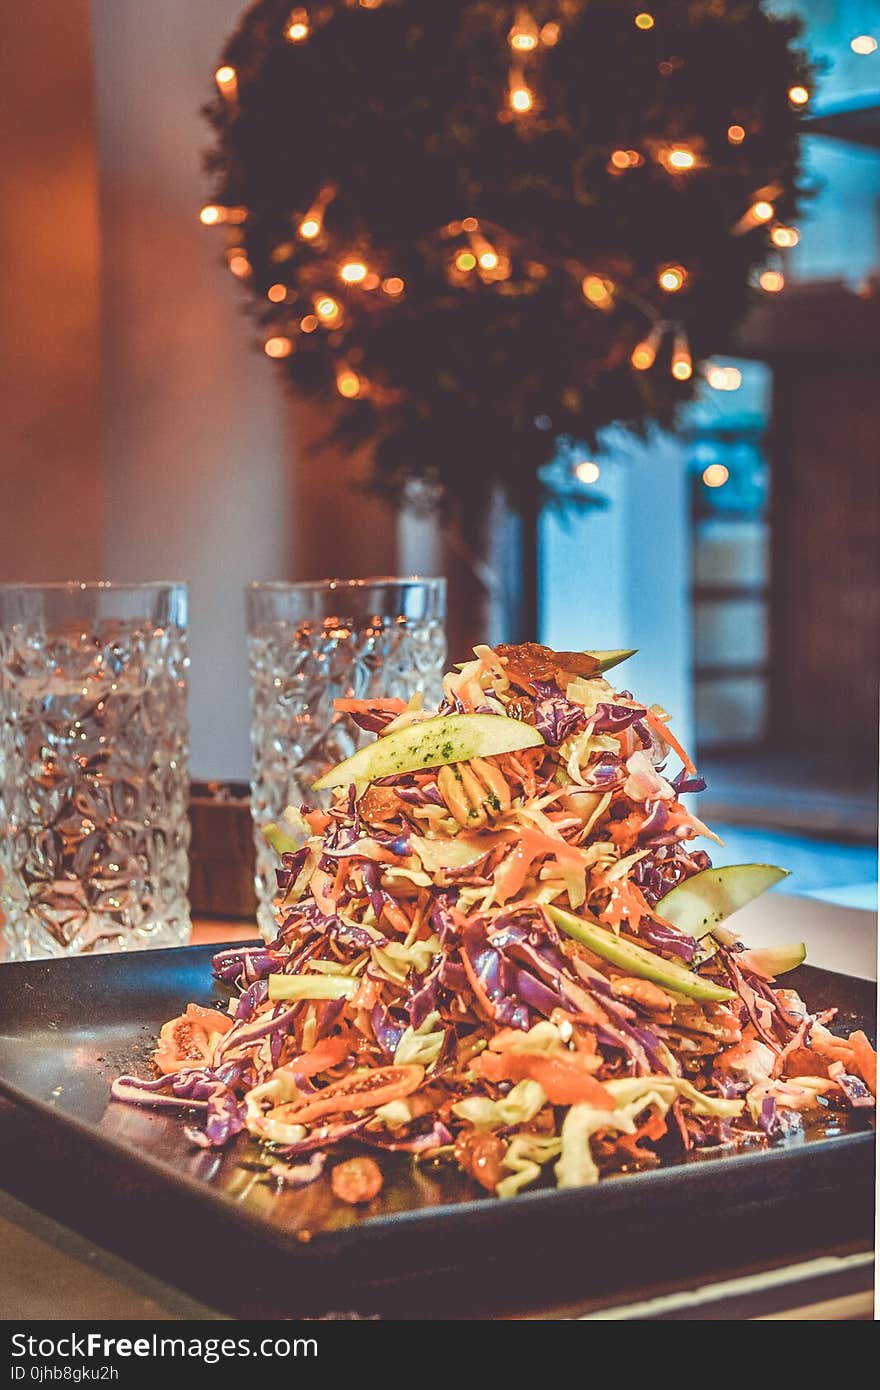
(456, 1216)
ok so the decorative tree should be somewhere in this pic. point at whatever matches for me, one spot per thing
(476, 227)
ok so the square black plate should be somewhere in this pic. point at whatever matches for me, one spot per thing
(428, 1246)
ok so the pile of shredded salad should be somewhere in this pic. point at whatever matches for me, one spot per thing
(421, 995)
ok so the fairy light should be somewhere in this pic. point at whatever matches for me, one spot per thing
(785, 237)
(213, 214)
(370, 281)
(348, 383)
(394, 285)
(488, 259)
(715, 475)
(312, 225)
(598, 292)
(772, 281)
(736, 134)
(298, 28)
(643, 20)
(798, 95)
(587, 471)
(227, 82)
(520, 97)
(328, 309)
(644, 354)
(465, 260)
(278, 347)
(308, 324)
(760, 212)
(682, 366)
(863, 44)
(550, 35)
(672, 278)
(523, 37)
(680, 159)
(353, 272)
(239, 265)
(723, 378)
(625, 159)
(277, 293)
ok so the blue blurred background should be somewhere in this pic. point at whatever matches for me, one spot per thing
(770, 651)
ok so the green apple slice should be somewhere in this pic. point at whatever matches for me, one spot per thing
(608, 659)
(450, 738)
(702, 902)
(770, 961)
(636, 960)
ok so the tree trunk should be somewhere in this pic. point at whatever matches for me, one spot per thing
(490, 562)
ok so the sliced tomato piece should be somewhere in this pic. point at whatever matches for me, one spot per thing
(565, 1080)
(363, 1090)
(189, 1041)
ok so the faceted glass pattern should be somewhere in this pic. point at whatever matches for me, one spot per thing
(94, 827)
(310, 644)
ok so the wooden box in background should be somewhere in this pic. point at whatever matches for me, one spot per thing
(221, 855)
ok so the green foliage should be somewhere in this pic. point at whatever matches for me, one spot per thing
(400, 112)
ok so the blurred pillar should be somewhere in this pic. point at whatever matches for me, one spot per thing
(51, 504)
(195, 426)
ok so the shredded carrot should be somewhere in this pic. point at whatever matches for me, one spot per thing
(663, 731)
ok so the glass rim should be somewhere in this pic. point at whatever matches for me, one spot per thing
(73, 586)
(431, 581)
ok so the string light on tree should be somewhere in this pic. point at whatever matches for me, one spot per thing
(715, 475)
(278, 347)
(328, 309)
(785, 237)
(212, 215)
(672, 278)
(520, 96)
(760, 212)
(353, 272)
(771, 281)
(863, 44)
(598, 291)
(523, 37)
(679, 159)
(239, 264)
(587, 472)
(298, 25)
(723, 378)
(349, 384)
(644, 354)
(227, 82)
(312, 225)
(550, 285)
(682, 366)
